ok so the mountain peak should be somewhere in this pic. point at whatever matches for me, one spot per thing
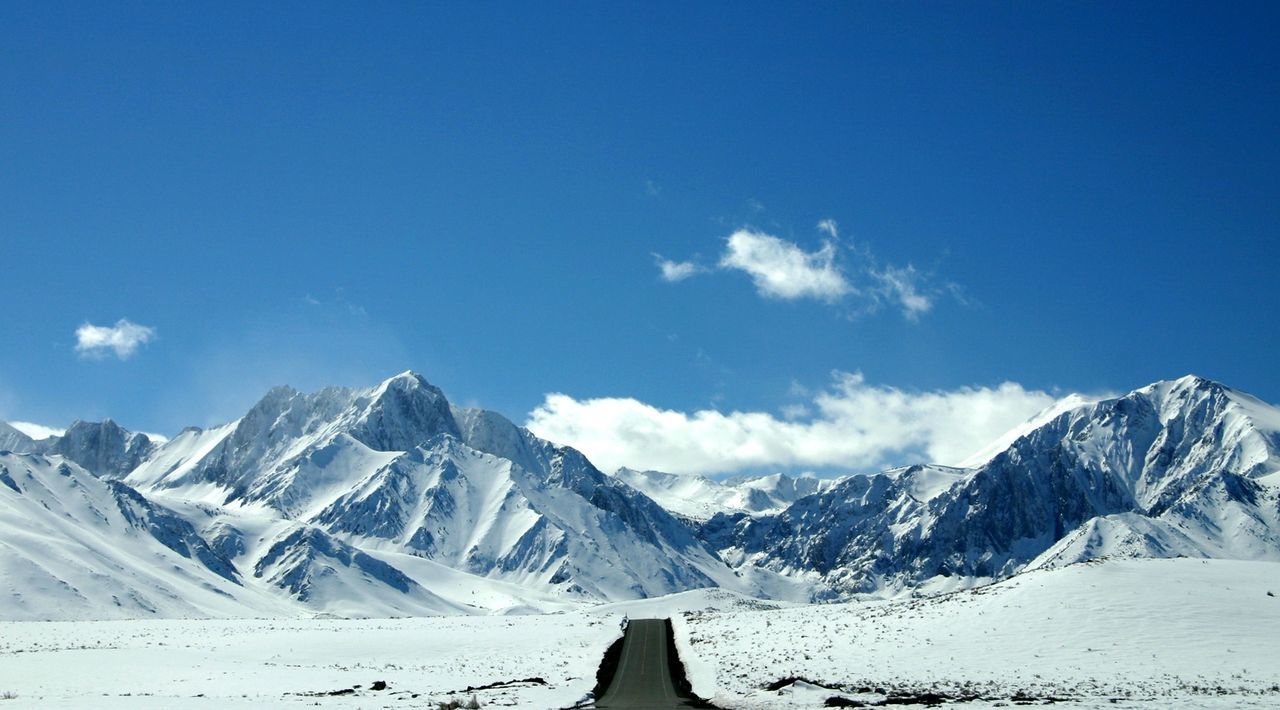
(104, 448)
(1181, 385)
(406, 379)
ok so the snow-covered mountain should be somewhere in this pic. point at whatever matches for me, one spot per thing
(1187, 467)
(390, 501)
(324, 497)
(700, 498)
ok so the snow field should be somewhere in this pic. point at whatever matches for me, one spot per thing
(284, 663)
(1122, 633)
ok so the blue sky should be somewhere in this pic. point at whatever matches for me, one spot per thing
(1076, 197)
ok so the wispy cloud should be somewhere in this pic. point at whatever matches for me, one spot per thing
(835, 273)
(122, 339)
(37, 431)
(829, 228)
(781, 269)
(902, 286)
(850, 425)
(673, 271)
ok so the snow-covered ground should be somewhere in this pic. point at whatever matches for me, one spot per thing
(1117, 633)
(1123, 633)
(283, 663)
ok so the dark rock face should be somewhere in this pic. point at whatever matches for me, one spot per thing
(103, 448)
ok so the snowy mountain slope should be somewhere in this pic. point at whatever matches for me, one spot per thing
(73, 545)
(320, 570)
(1121, 633)
(1121, 536)
(572, 527)
(11, 439)
(1190, 457)
(493, 433)
(175, 459)
(463, 488)
(700, 498)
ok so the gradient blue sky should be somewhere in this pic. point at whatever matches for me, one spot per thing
(326, 193)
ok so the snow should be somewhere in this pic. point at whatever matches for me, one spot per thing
(74, 547)
(1167, 632)
(275, 663)
(1145, 633)
(924, 483)
(37, 431)
(178, 456)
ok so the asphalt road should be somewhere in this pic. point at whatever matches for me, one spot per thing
(643, 679)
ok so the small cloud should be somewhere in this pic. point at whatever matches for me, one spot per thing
(673, 271)
(123, 339)
(37, 431)
(829, 228)
(781, 269)
(651, 188)
(901, 285)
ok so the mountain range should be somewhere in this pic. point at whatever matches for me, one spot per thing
(389, 500)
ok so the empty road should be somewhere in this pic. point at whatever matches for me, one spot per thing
(643, 678)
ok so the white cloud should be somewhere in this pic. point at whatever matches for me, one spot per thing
(829, 228)
(37, 431)
(837, 273)
(781, 269)
(902, 285)
(673, 271)
(854, 427)
(123, 338)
